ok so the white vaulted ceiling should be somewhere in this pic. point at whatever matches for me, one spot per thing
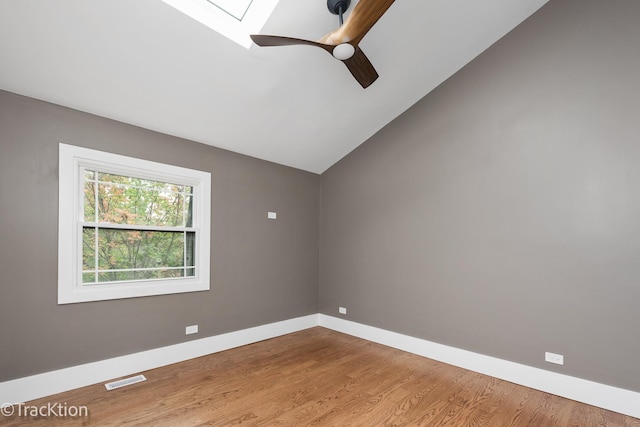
(145, 63)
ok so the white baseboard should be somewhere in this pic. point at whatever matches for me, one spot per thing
(49, 383)
(612, 398)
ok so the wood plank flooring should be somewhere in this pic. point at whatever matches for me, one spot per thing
(319, 377)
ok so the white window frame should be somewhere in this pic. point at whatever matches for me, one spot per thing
(72, 162)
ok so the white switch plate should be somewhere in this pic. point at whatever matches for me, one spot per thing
(558, 359)
(193, 329)
(342, 310)
(272, 215)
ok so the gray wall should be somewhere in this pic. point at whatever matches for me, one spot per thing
(262, 270)
(501, 213)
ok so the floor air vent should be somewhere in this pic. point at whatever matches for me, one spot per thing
(125, 382)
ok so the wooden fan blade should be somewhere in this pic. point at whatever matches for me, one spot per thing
(265, 40)
(364, 16)
(359, 65)
(361, 68)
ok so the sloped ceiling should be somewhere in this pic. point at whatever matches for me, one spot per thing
(144, 63)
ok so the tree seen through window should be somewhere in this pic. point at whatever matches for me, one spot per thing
(136, 229)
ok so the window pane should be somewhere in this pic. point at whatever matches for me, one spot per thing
(137, 201)
(88, 248)
(190, 249)
(187, 207)
(120, 249)
(89, 201)
(113, 276)
(137, 254)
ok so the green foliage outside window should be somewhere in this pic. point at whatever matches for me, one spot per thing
(136, 229)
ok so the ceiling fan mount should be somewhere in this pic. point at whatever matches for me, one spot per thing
(343, 43)
(338, 7)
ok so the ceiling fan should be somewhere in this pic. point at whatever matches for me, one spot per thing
(343, 42)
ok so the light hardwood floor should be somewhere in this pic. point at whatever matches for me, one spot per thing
(319, 377)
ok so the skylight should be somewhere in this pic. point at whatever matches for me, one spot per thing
(234, 19)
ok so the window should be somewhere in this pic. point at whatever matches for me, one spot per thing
(234, 19)
(130, 227)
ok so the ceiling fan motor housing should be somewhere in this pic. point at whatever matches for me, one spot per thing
(335, 6)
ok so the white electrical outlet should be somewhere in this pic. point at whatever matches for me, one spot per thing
(342, 310)
(558, 359)
(272, 215)
(193, 329)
